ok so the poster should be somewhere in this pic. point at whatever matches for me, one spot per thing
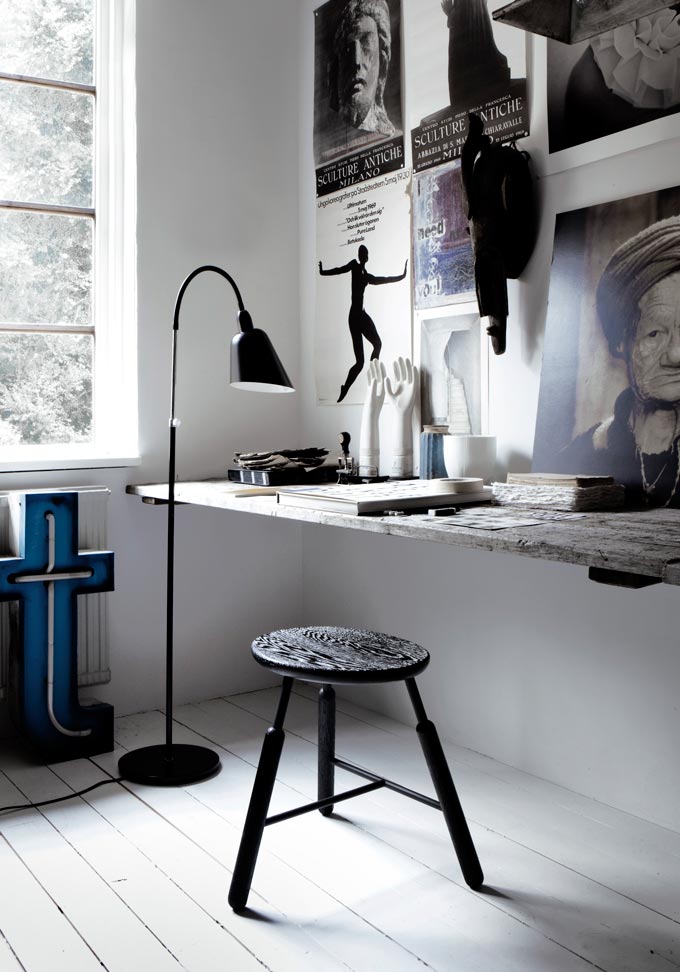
(453, 362)
(363, 285)
(443, 263)
(613, 84)
(609, 401)
(358, 125)
(460, 60)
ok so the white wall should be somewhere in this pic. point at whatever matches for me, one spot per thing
(213, 141)
(532, 663)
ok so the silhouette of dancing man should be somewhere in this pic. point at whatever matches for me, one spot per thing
(360, 323)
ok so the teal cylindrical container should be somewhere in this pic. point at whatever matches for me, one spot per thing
(432, 455)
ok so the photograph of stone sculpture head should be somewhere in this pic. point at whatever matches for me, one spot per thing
(610, 384)
(358, 76)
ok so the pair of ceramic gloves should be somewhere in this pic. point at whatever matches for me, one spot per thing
(401, 390)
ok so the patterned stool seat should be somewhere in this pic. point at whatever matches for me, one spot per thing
(339, 655)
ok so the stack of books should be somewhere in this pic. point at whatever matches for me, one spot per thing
(558, 491)
(413, 494)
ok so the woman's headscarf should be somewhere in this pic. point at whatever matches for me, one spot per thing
(635, 267)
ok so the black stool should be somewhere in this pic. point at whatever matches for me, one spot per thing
(343, 656)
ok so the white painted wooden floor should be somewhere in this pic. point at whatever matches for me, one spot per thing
(135, 878)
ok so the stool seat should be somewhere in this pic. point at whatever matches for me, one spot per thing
(322, 654)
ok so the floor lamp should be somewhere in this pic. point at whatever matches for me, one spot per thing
(255, 366)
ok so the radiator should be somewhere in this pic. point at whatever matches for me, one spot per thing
(93, 646)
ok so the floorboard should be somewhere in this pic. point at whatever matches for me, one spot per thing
(631, 856)
(131, 877)
(530, 886)
(8, 960)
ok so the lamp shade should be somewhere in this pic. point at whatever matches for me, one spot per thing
(571, 21)
(255, 365)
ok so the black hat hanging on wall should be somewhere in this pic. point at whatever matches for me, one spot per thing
(499, 197)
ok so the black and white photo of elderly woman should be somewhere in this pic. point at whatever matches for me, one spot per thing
(638, 307)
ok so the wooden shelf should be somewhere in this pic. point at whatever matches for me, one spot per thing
(629, 549)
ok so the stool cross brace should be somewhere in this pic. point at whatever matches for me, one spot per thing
(257, 818)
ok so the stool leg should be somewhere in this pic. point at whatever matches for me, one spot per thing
(259, 804)
(446, 791)
(326, 769)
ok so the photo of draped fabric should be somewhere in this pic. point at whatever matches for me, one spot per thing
(615, 81)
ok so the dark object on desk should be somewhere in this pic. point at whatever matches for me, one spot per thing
(287, 476)
(443, 511)
(346, 465)
(352, 479)
(325, 656)
(283, 458)
(255, 366)
(571, 21)
(499, 198)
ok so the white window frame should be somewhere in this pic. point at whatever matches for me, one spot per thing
(115, 419)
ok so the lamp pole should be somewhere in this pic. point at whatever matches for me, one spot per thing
(253, 363)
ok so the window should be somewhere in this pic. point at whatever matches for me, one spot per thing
(67, 215)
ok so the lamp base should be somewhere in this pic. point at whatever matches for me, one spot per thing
(174, 765)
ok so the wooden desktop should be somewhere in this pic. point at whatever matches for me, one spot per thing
(629, 549)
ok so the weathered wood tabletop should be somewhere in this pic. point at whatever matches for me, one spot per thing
(644, 546)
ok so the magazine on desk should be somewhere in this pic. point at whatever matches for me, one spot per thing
(377, 497)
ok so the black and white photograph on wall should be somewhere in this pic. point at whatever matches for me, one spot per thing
(358, 124)
(609, 401)
(613, 84)
(460, 60)
(363, 284)
(453, 367)
(443, 263)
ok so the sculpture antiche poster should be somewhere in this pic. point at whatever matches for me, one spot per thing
(460, 61)
(358, 127)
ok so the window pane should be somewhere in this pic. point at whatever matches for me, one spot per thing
(45, 269)
(47, 39)
(45, 388)
(46, 145)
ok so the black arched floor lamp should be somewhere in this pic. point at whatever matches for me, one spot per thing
(255, 366)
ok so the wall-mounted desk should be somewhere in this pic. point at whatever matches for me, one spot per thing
(630, 549)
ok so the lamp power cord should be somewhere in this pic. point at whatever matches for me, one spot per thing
(61, 799)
